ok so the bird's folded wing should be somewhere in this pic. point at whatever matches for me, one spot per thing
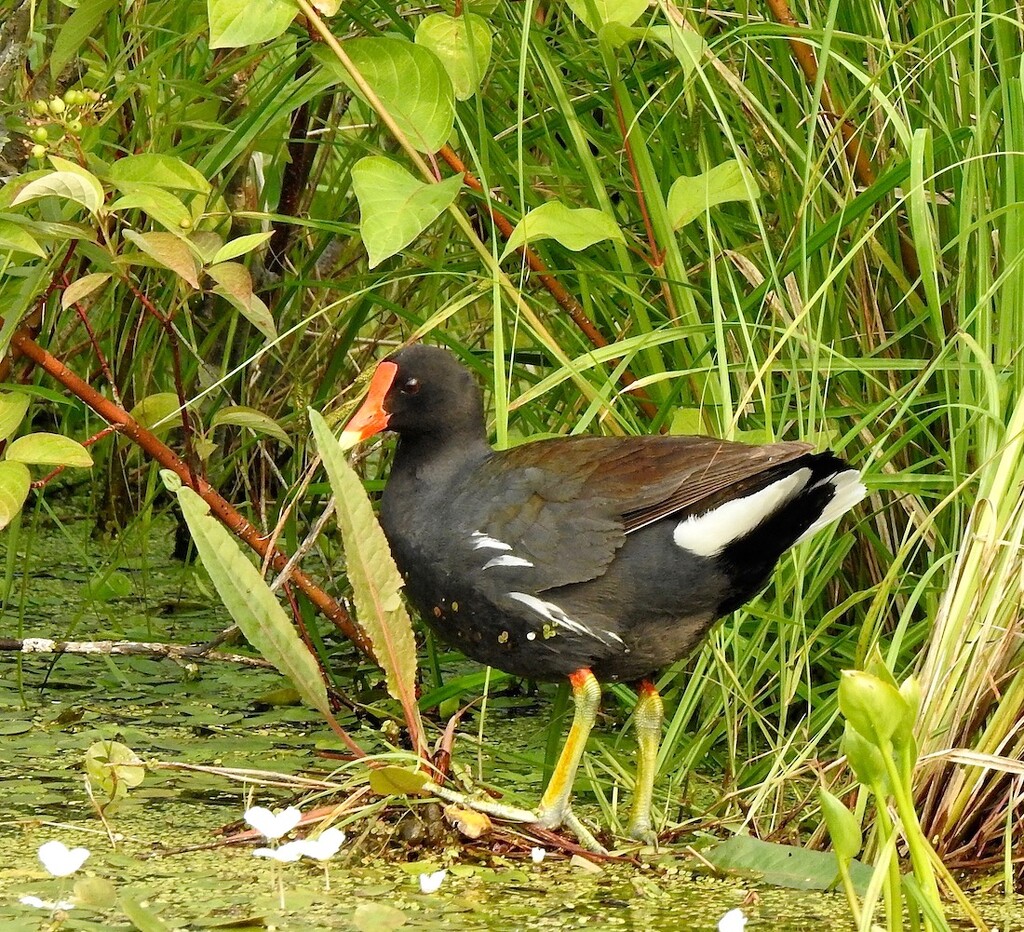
(555, 513)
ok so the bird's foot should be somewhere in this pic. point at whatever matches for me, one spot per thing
(556, 817)
(641, 831)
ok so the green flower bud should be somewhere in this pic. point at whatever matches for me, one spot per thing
(38, 151)
(40, 107)
(843, 828)
(57, 105)
(875, 708)
(865, 759)
(39, 134)
(74, 126)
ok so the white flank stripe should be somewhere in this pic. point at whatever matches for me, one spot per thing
(483, 542)
(849, 491)
(710, 533)
(554, 614)
(506, 559)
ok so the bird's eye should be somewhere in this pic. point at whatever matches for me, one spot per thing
(411, 387)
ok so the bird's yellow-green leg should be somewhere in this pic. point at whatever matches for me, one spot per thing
(554, 804)
(648, 716)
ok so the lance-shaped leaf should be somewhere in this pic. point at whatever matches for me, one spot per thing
(395, 207)
(248, 598)
(43, 449)
(71, 186)
(690, 196)
(169, 251)
(254, 420)
(82, 287)
(14, 237)
(376, 582)
(164, 171)
(575, 228)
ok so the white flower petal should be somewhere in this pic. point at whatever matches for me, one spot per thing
(283, 853)
(324, 846)
(270, 824)
(430, 883)
(732, 921)
(538, 854)
(37, 903)
(61, 861)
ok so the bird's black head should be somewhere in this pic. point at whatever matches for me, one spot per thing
(420, 392)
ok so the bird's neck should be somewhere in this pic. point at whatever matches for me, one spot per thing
(437, 458)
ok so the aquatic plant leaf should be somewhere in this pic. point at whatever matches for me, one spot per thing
(248, 598)
(784, 865)
(376, 582)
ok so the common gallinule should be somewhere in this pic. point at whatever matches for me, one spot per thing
(582, 557)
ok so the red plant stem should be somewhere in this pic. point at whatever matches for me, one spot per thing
(566, 301)
(657, 257)
(167, 458)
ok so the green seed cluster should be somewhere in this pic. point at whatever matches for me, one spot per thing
(62, 116)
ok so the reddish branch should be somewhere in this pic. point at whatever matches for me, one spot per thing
(167, 458)
(565, 300)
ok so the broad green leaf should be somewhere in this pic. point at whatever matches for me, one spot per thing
(206, 243)
(241, 416)
(234, 23)
(157, 203)
(463, 45)
(688, 47)
(158, 412)
(13, 406)
(70, 186)
(141, 916)
(163, 171)
(375, 916)
(234, 278)
(76, 29)
(235, 283)
(690, 196)
(623, 12)
(376, 582)
(784, 865)
(575, 228)
(107, 585)
(82, 287)
(43, 449)
(241, 246)
(169, 251)
(397, 781)
(687, 422)
(111, 764)
(248, 598)
(15, 481)
(395, 207)
(19, 239)
(409, 80)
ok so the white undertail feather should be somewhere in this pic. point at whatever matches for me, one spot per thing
(710, 533)
(507, 559)
(848, 491)
(482, 542)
